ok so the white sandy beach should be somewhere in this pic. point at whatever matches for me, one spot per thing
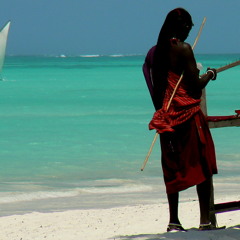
(145, 222)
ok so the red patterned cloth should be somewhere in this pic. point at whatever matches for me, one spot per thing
(188, 154)
(182, 108)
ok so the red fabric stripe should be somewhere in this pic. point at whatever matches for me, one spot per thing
(182, 108)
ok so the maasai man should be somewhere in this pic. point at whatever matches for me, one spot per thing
(188, 154)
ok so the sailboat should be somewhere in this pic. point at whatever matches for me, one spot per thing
(3, 44)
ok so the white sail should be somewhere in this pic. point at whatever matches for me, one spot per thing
(3, 43)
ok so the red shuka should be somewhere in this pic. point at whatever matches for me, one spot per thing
(188, 154)
(182, 107)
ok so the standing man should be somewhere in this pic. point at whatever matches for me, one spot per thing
(188, 154)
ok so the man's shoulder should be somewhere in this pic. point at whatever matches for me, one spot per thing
(183, 49)
(183, 46)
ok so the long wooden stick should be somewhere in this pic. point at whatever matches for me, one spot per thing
(173, 94)
(149, 152)
(226, 67)
(234, 64)
(199, 33)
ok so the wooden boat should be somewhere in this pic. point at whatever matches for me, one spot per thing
(217, 122)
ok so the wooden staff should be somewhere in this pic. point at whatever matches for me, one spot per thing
(223, 68)
(173, 94)
(233, 64)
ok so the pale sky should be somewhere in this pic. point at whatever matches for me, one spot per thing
(75, 27)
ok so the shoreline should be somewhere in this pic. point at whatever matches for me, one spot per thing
(106, 195)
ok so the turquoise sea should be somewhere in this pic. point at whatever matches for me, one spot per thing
(74, 132)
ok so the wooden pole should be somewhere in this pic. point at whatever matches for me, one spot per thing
(226, 207)
(233, 64)
(149, 152)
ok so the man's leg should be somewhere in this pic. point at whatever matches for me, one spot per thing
(204, 195)
(173, 207)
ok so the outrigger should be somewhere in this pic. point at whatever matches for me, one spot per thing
(218, 122)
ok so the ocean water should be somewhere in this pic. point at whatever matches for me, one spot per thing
(74, 132)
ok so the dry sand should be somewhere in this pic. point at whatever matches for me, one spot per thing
(145, 222)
